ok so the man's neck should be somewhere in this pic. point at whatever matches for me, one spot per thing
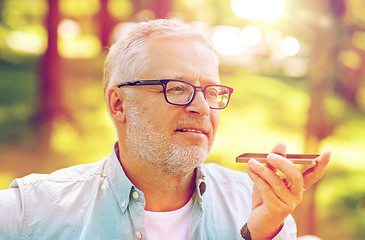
(168, 193)
(163, 191)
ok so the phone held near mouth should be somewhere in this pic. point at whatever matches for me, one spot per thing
(295, 158)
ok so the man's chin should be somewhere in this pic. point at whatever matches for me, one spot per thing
(196, 156)
(196, 147)
(185, 160)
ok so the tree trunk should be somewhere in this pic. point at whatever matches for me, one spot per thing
(50, 102)
(106, 24)
(318, 125)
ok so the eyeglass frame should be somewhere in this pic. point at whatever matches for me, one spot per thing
(163, 83)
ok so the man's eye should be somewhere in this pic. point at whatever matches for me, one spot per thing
(176, 89)
(212, 93)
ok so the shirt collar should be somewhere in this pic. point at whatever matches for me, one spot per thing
(120, 184)
(200, 181)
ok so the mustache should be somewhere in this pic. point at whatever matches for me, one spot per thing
(203, 123)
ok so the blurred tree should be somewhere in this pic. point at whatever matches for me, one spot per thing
(333, 70)
(105, 23)
(320, 86)
(350, 51)
(50, 102)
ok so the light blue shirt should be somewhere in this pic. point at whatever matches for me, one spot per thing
(98, 201)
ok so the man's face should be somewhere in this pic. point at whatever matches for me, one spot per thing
(173, 138)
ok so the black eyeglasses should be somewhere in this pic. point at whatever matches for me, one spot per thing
(182, 93)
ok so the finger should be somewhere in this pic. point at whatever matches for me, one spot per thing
(312, 175)
(294, 178)
(273, 181)
(279, 148)
(267, 194)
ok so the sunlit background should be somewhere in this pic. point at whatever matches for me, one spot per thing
(297, 69)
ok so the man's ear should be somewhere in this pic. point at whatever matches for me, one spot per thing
(115, 101)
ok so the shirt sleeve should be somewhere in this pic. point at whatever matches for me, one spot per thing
(289, 230)
(11, 212)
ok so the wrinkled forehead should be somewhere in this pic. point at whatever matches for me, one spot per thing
(179, 59)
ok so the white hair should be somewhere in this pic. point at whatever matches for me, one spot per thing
(128, 58)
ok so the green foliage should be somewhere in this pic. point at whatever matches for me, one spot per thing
(18, 99)
(19, 13)
(341, 201)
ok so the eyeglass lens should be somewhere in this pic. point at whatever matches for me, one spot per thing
(181, 93)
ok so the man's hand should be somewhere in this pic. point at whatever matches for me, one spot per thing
(274, 198)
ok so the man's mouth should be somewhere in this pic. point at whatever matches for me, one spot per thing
(190, 130)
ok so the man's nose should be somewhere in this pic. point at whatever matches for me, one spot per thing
(199, 104)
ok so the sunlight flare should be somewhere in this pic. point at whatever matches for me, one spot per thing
(251, 35)
(262, 10)
(290, 46)
(227, 40)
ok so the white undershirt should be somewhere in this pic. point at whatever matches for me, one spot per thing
(169, 225)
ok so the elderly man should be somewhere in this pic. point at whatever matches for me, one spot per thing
(163, 94)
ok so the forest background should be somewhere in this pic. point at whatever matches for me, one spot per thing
(297, 68)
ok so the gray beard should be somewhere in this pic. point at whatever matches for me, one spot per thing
(152, 148)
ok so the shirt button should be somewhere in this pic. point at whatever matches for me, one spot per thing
(123, 205)
(139, 235)
(135, 195)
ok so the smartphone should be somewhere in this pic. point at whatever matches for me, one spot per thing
(295, 158)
